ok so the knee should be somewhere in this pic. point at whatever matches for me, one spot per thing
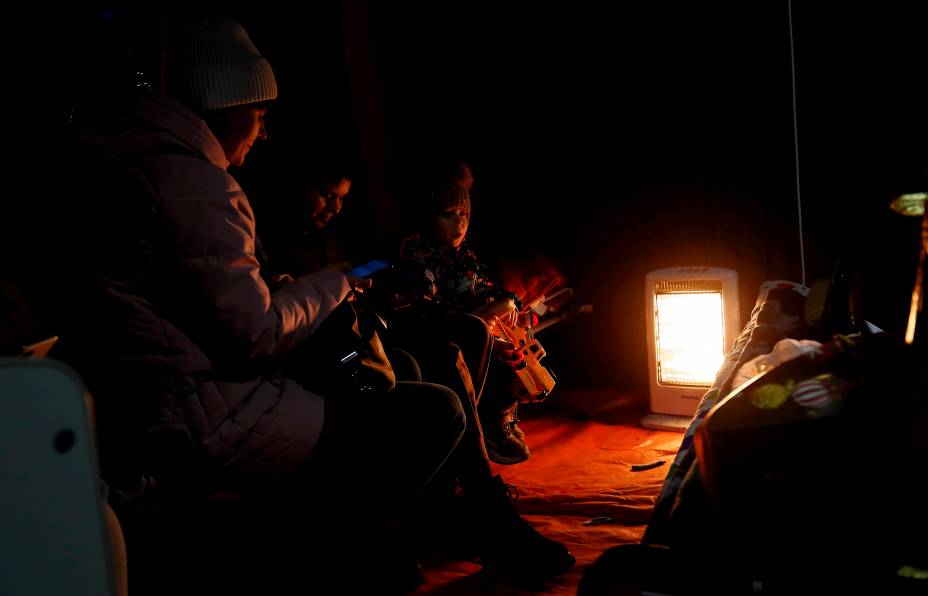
(454, 410)
(476, 327)
(405, 365)
(446, 406)
(436, 404)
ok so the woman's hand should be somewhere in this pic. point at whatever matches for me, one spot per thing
(359, 284)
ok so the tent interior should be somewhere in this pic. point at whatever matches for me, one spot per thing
(606, 142)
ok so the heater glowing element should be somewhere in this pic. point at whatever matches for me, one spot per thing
(690, 336)
(692, 320)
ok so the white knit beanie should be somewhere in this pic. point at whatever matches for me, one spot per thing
(219, 67)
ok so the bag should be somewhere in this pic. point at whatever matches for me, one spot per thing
(808, 448)
(345, 355)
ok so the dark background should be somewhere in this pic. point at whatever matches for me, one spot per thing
(606, 141)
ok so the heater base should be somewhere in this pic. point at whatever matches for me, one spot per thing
(666, 422)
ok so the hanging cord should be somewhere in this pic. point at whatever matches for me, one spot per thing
(792, 63)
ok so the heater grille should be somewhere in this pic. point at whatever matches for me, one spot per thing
(681, 380)
(687, 286)
(689, 332)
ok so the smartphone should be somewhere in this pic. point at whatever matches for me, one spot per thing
(368, 269)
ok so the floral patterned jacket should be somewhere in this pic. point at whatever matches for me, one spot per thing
(453, 280)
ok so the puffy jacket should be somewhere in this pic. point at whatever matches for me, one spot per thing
(171, 324)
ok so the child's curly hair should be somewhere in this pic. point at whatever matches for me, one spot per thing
(444, 185)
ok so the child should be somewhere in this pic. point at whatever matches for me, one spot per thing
(454, 281)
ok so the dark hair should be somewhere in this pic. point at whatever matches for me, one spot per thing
(443, 172)
(313, 169)
(422, 208)
(448, 171)
(424, 186)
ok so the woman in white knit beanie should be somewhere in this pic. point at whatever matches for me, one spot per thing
(216, 71)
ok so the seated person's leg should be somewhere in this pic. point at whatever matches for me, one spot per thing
(472, 335)
(445, 364)
(404, 365)
(373, 458)
(498, 408)
(390, 445)
(508, 545)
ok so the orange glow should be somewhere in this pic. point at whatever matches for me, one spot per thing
(530, 279)
(689, 337)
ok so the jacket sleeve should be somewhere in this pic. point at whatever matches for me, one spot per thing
(215, 238)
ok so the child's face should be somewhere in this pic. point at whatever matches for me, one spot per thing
(451, 226)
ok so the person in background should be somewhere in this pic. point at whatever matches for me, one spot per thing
(297, 230)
